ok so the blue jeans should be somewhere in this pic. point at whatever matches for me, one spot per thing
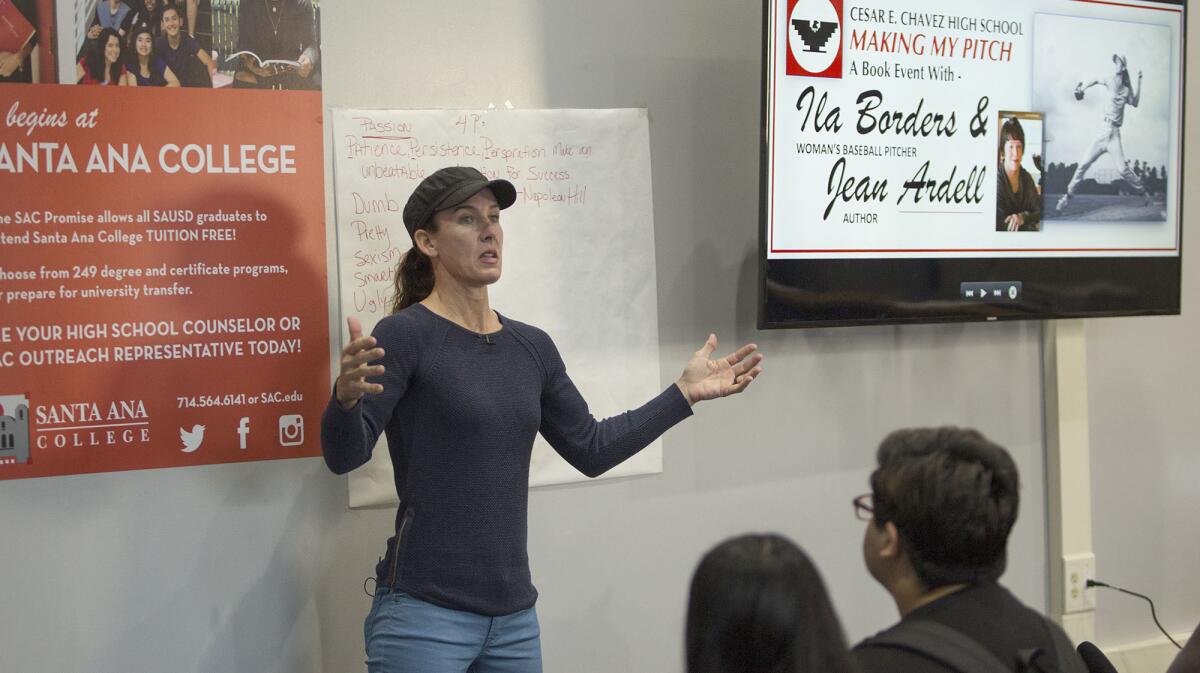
(407, 635)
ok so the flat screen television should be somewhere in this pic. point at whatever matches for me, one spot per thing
(940, 160)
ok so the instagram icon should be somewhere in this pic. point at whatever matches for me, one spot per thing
(291, 430)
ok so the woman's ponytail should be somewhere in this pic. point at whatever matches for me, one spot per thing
(414, 279)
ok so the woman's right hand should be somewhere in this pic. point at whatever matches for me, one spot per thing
(352, 382)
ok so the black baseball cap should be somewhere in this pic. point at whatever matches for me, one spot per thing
(449, 187)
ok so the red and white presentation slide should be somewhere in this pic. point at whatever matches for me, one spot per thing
(938, 128)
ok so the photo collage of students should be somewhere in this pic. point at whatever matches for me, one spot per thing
(253, 44)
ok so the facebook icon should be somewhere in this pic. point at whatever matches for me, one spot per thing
(243, 430)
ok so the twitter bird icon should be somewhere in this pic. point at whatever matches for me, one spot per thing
(192, 438)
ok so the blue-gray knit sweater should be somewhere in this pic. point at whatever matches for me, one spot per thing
(460, 411)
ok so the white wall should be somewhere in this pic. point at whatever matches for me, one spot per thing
(259, 567)
(1145, 434)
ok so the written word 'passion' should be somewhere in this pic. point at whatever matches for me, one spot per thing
(50, 157)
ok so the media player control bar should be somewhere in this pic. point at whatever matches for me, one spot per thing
(997, 291)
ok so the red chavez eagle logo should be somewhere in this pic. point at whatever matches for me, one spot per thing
(814, 30)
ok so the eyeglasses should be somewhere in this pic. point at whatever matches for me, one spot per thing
(864, 508)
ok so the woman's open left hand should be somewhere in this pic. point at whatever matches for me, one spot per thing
(705, 379)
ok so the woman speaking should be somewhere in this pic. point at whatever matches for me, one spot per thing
(461, 391)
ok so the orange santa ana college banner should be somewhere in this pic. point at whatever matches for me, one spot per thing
(162, 278)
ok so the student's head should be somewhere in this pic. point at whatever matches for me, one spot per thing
(944, 501)
(171, 19)
(105, 55)
(453, 218)
(110, 45)
(1012, 142)
(758, 605)
(142, 43)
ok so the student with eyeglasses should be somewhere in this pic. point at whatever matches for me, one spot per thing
(942, 504)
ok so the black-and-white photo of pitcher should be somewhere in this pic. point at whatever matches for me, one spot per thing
(1104, 88)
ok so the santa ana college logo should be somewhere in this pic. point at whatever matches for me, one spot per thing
(14, 429)
(814, 30)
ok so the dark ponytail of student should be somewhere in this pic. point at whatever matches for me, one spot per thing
(414, 279)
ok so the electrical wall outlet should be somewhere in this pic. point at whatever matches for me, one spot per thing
(1077, 570)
